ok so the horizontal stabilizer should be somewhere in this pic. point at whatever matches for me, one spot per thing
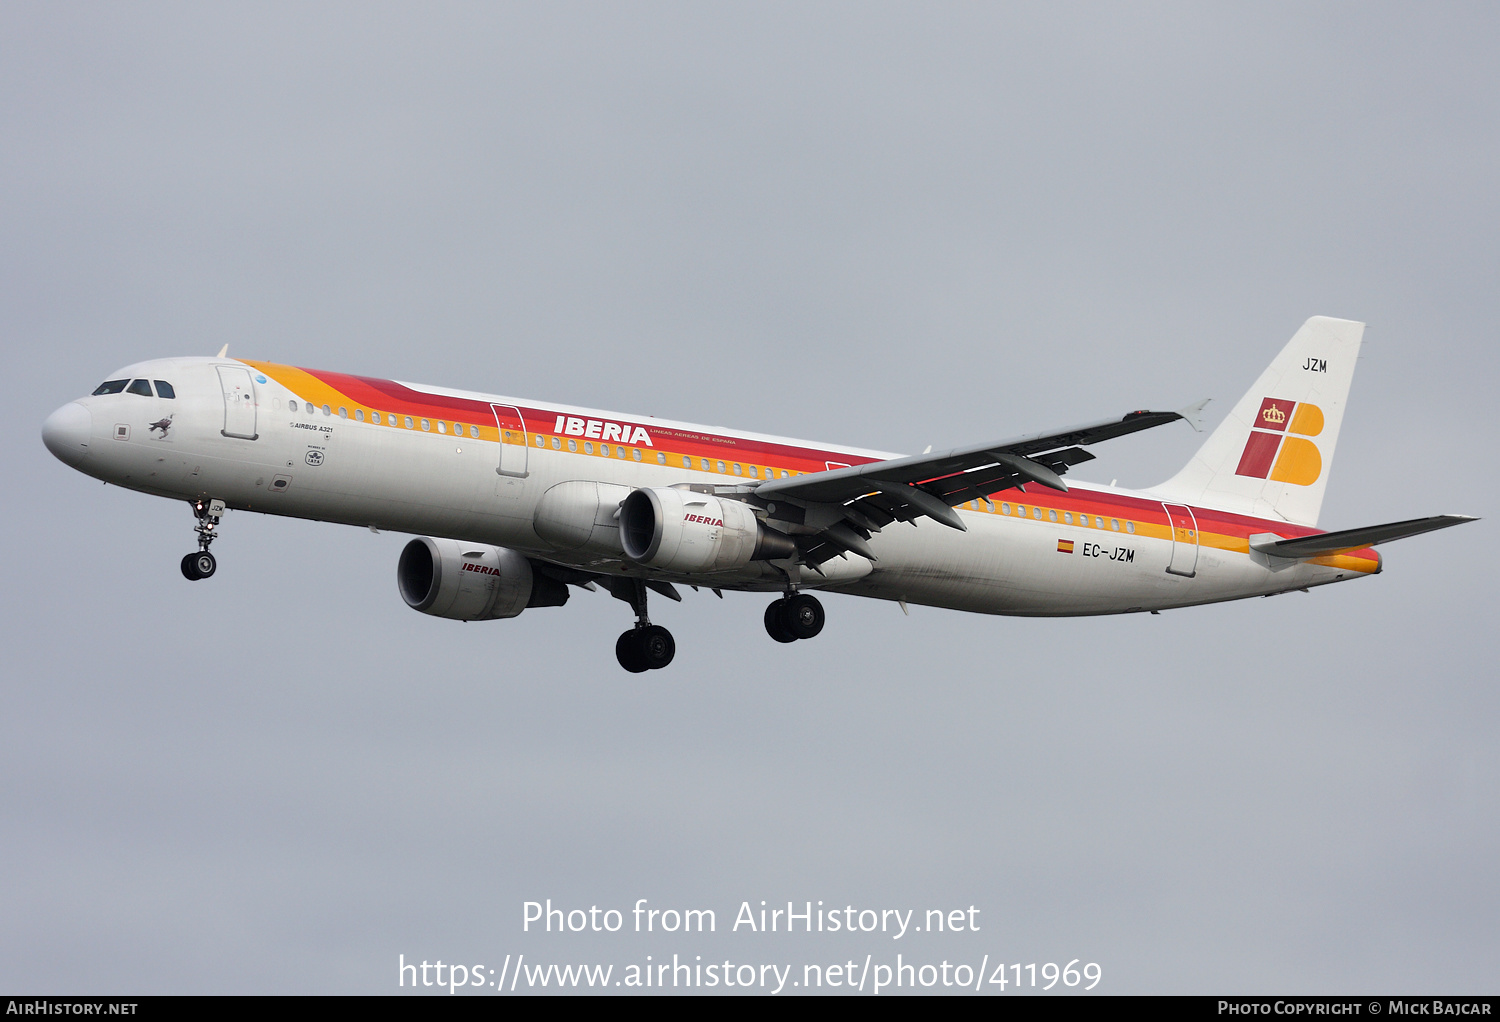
(1351, 539)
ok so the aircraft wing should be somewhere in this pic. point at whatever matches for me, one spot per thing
(901, 489)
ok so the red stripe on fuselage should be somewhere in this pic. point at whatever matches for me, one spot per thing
(389, 395)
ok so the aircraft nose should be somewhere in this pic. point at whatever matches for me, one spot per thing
(67, 432)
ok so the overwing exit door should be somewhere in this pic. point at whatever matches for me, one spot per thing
(513, 440)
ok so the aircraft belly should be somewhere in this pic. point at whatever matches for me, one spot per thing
(1007, 566)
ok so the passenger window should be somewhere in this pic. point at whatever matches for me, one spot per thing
(141, 387)
(557, 443)
(737, 469)
(636, 454)
(1036, 513)
(783, 473)
(661, 459)
(343, 413)
(1114, 523)
(705, 464)
(603, 449)
(1130, 526)
(375, 418)
(1021, 510)
(474, 432)
(1005, 509)
(164, 389)
(753, 470)
(292, 404)
(1098, 522)
(687, 462)
(426, 426)
(573, 446)
(442, 426)
(1052, 515)
(111, 387)
(1067, 518)
(359, 415)
(408, 422)
(588, 448)
(541, 441)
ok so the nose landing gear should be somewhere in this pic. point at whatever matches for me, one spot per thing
(202, 564)
(794, 617)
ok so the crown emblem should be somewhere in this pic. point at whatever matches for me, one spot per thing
(1273, 414)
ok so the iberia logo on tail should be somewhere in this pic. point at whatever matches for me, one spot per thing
(1272, 453)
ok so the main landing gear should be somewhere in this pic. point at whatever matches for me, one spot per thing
(202, 564)
(646, 647)
(798, 616)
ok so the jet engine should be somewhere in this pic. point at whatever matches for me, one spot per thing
(685, 531)
(471, 581)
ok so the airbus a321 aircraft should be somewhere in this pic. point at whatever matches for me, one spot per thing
(515, 501)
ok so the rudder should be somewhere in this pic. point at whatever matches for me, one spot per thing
(1271, 455)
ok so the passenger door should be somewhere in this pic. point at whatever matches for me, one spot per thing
(1184, 528)
(239, 402)
(513, 440)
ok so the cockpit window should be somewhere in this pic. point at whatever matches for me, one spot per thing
(111, 387)
(164, 389)
(141, 387)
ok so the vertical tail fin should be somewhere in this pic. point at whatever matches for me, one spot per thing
(1270, 457)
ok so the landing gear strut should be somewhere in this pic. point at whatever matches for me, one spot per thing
(202, 564)
(646, 647)
(798, 616)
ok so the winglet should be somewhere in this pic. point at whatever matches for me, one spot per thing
(1194, 414)
(223, 352)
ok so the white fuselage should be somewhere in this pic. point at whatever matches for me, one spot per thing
(1093, 550)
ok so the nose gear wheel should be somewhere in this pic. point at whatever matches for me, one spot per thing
(199, 565)
(202, 564)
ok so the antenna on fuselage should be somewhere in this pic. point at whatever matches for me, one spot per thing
(223, 352)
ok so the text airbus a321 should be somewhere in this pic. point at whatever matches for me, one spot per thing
(515, 501)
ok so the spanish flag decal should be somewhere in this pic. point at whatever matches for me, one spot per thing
(1065, 546)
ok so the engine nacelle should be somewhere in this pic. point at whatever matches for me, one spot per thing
(580, 515)
(471, 581)
(681, 530)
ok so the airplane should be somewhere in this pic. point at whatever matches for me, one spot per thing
(515, 502)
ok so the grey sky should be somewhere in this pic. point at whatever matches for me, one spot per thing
(871, 224)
